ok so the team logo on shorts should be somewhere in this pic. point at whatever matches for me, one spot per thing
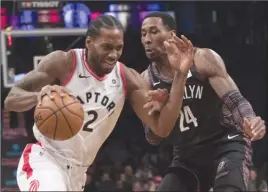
(222, 164)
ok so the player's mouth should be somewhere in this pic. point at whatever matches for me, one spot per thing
(149, 52)
(110, 63)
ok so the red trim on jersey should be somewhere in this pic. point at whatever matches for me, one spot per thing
(73, 69)
(38, 143)
(91, 70)
(26, 165)
(26, 155)
(121, 69)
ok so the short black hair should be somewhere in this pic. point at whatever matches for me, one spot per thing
(167, 19)
(103, 21)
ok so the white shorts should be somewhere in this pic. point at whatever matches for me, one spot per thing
(39, 171)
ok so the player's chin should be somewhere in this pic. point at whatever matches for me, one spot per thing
(107, 68)
(151, 56)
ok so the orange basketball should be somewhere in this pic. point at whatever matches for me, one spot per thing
(60, 118)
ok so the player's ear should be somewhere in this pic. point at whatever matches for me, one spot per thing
(172, 33)
(88, 42)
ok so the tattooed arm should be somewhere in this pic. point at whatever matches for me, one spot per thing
(212, 65)
(23, 96)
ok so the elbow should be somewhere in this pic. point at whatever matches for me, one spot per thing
(164, 129)
(7, 103)
(162, 132)
(152, 138)
(153, 142)
(165, 134)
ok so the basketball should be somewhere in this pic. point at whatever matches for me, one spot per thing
(60, 118)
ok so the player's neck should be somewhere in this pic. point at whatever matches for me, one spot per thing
(93, 67)
(164, 68)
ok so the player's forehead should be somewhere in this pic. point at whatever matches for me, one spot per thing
(111, 36)
(152, 22)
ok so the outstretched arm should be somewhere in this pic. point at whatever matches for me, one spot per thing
(212, 65)
(180, 56)
(161, 123)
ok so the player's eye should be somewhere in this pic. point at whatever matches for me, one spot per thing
(107, 47)
(154, 31)
(143, 34)
(119, 48)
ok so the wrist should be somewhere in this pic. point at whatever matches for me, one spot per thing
(181, 74)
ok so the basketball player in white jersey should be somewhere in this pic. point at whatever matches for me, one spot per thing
(95, 77)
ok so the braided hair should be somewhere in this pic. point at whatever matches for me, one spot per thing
(103, 21)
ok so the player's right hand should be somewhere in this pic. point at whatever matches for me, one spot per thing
(254, 128)
(48, 89)
(156, 99)
(180, 53)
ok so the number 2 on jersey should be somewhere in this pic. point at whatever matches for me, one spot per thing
(94, 116)
(187, 116)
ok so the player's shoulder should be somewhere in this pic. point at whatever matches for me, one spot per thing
(206, 53)
(207, 61)
(128, 71)
(134, 79)
(57, 61)
(145, 75)
(58, 56)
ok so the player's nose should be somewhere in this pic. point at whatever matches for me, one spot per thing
(113, 55)
(147, 40)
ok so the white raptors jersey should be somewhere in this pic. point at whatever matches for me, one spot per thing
(102, 100)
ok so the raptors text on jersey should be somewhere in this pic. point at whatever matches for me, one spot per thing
(102, 99)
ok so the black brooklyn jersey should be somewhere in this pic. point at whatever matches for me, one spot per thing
(200, 123)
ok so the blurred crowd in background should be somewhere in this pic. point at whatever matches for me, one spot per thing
(126, 161)
(128, 166)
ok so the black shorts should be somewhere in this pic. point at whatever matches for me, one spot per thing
(229, 170)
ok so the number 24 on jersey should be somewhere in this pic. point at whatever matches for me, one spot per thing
(187, 117)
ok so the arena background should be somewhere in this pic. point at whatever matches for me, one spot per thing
(238, 31)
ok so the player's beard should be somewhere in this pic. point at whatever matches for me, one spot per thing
(95, 62)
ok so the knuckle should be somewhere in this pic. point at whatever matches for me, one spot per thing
(57, 88)
(49, 88)
(44, 88)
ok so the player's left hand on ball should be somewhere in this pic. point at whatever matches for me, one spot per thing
(254, 128)
(156, 100)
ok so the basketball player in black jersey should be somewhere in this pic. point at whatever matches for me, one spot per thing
(212, 137)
